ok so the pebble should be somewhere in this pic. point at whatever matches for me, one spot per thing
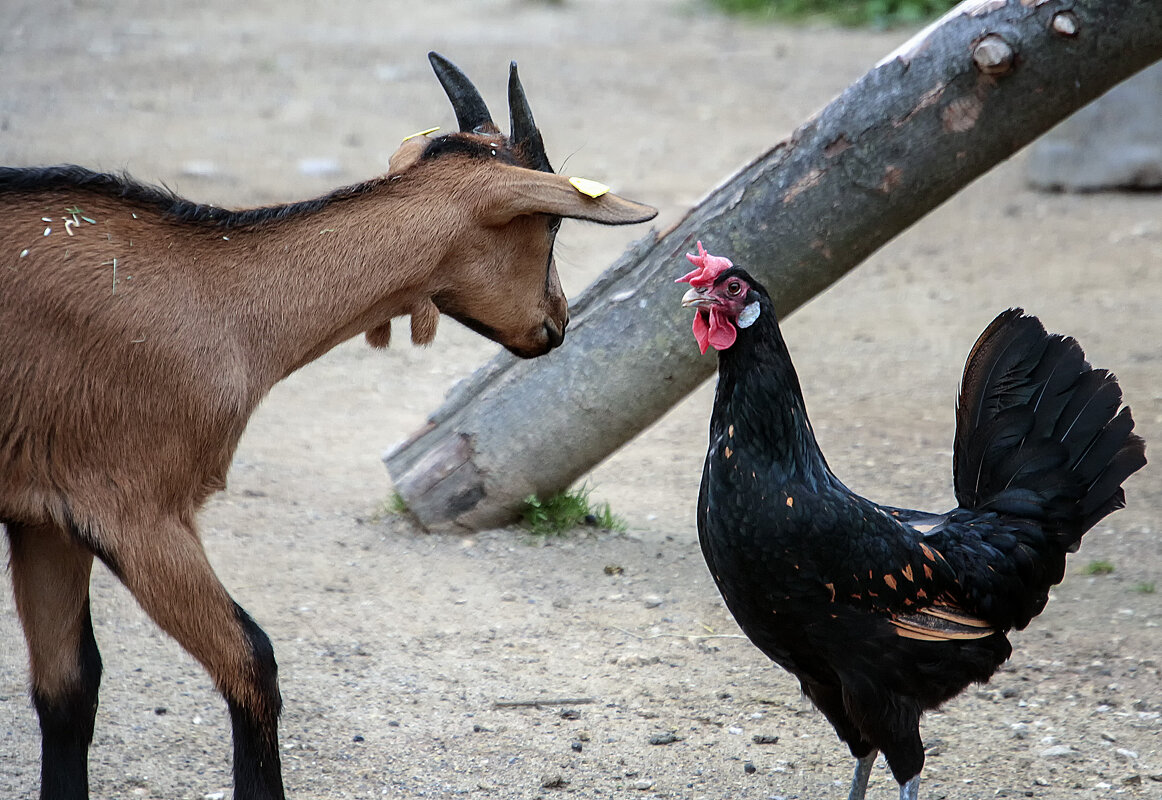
(665, 738)
(635, 660)
(764, 738)
(643, 785)
(554, 782)
(652, 601)
(1057, 751)
(749, 768)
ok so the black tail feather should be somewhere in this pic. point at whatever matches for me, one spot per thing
(1041, 434)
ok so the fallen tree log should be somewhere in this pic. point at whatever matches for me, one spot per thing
(955, 100)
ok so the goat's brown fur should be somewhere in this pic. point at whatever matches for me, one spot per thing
(142, 331)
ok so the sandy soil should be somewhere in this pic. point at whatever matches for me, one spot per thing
(395, 646)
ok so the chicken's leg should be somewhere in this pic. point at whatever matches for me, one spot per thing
(863, 768)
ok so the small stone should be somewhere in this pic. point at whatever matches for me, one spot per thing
(570, 713)
(357, 738)
(161, 711)
(614, 569)
(576, 747)
(643, 785)
(764, 738)
(1126, 755)
(1057, 751)
(214, 796)
(652, 601)
(665, 738)
(554, 782)
(636, 660)
(1132, 780)
(749, 768)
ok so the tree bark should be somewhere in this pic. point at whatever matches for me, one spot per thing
(961, 96)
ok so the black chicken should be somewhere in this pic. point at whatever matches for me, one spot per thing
(880, 612)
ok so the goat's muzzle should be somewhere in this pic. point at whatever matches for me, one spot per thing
(554, 334)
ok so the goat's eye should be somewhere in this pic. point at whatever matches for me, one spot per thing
(733, 288)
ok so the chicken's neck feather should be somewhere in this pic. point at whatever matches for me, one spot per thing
(759, 404)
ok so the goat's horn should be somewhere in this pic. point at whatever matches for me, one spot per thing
(471, 112)
(522, 130)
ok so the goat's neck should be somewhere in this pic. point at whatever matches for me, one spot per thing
(298, 287)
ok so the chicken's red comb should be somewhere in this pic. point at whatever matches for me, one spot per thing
(709, 268)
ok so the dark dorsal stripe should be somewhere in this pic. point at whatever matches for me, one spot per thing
(25, 180)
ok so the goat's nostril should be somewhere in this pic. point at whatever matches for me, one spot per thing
(554, 336)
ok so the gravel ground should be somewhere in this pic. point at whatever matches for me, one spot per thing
(402, 654)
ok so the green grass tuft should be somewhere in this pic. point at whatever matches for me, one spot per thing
(396, 504)
(1146, 587)
(1098, 568)
(556, 515)
(844, 12)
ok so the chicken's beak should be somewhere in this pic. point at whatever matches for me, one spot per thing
(698, 298)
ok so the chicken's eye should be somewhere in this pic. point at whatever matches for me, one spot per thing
(733, 288)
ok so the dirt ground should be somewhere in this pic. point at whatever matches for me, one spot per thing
(396, 646)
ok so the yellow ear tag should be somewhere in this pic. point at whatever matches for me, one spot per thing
(589, 188)
(421, 133)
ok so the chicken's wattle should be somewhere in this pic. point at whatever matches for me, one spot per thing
(718, 332)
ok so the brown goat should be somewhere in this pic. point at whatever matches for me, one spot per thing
(140, 333)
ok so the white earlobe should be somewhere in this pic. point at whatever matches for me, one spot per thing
(748, 315)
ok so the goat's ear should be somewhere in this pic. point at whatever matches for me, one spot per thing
(526, 191)
(409, 152)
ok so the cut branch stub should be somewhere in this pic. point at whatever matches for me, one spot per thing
(993, 55)
(1065, 23)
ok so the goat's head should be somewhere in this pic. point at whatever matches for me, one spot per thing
(508, 203)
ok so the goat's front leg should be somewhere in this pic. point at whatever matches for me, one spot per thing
(50, 581)
(168, 573)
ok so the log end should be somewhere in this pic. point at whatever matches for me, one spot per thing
(444, 489)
